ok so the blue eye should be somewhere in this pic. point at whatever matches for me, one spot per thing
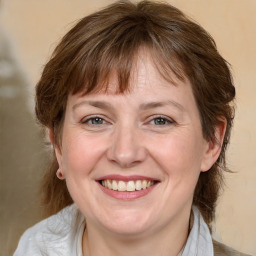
(94, 121)
(160, 121)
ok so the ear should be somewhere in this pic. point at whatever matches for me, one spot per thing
(56, 147)
(213, 147)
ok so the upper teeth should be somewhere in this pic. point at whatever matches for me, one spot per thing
(127, 186)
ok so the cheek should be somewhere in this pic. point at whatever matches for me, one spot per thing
(178, 153)
(81, 153)
(179, 158)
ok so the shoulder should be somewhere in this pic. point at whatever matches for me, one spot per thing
(224, 250)
(52, 236)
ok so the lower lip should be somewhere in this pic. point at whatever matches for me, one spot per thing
(125, 195)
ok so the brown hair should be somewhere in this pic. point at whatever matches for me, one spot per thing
(109, 40)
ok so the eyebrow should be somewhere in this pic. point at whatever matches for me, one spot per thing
(150, 105)
(97, 104)
(144, 106)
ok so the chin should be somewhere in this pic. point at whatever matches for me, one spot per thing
(128, 230)
(128, 223)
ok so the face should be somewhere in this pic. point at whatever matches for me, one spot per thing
(131, 161)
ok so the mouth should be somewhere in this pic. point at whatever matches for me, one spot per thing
(127, 186)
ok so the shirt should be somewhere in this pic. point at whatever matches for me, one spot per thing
(61, 235)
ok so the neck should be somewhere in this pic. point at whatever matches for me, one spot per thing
(168, 241)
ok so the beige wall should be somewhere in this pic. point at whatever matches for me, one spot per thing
(35, 26)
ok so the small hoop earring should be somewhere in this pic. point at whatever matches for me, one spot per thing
(59, 174)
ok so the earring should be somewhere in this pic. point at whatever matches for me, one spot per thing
(59, 174)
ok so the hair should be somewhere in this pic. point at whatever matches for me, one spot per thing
(109, 40)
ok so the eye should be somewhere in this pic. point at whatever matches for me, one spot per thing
(161, 121)
(94, 121)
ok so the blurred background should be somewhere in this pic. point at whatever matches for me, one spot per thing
(29, 31)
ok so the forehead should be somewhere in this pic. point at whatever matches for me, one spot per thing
(144, 69)
(146, 84)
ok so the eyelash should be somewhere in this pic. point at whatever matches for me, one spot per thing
(167, 121)
(89, 119)
(164, 121)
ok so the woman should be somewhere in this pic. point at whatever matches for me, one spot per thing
(138, 104)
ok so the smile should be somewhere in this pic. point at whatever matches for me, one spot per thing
(128, 186)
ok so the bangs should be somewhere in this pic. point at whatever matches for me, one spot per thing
(95, 61)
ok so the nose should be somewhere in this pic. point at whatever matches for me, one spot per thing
(127, 147)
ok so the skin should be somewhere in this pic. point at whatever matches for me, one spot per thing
(130, 139)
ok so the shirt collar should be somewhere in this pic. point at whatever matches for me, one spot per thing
(199, 242)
